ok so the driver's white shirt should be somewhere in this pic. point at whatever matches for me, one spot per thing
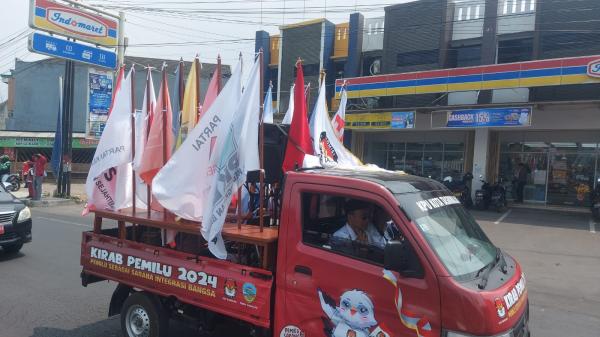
(373, 236)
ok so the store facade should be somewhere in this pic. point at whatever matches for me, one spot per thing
(557, 140)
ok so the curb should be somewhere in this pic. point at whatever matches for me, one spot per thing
(49, 202)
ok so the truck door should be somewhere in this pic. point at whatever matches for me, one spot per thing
(335, 282)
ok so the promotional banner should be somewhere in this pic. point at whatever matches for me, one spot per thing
(11, 142)
(100, 89)
(514, 117)
(381, 120)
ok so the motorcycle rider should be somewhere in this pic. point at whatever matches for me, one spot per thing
(4, 166)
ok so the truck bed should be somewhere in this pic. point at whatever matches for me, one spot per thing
(225, 287)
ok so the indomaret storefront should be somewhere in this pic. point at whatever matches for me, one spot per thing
(544, 114)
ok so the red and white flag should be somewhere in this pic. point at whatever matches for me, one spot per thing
(338, 120)
(299, 143)
(211, 92)
(158, 148)
(327, 147)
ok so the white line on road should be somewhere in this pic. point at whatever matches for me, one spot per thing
(503, 217)
(592, 226)
(65, 222)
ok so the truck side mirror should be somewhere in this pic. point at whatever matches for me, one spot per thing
(399, 256)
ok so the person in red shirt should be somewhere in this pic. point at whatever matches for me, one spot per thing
(28, 177)
(40, 172)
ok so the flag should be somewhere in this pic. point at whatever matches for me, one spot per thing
(156, 152)
(211, 92)
(189, 108)
(338, 120)
(181, 185)
(326, 145)
(287, 119)
(268, 106)
(178, 102)
(57, 147)
(113, 154)
(299, 142)
(235, 154)
(143, 120)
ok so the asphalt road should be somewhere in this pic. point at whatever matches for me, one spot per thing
(41, 294)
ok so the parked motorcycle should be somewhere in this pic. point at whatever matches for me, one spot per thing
(460, 188)
(12, 182)
(490, 196)
(595, 196)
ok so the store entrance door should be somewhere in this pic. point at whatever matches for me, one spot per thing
(571, 174)
(535, 158)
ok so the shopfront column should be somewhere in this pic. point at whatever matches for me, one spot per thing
(480, 154)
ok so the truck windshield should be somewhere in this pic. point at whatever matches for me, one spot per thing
(454, 235)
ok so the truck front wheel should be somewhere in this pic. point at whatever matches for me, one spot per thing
(142, 315)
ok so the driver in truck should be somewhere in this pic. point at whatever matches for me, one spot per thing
(358, 227)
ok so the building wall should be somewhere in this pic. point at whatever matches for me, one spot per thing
(413, 36)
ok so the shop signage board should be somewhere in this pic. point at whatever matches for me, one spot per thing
(593, 69)
(52, 46)
(100, 89)
(381, 120)
(77, 23)
(489, 117)
(78, 143)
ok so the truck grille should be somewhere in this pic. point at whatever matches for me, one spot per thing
(6, 217)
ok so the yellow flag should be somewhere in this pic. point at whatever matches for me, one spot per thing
(189, 108)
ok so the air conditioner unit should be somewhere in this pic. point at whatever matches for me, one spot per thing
(375, 67)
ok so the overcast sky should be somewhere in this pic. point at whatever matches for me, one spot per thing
(183, 28)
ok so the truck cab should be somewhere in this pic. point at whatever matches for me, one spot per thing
(437, 274)
(353, 252)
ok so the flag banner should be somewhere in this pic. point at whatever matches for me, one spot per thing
(211, 93)
(289, 114)
(268, 106)
(178, 102)
(155, 152)
(326, 145)
(236, 152)
(299, 142)
(143, 120)
(182, 184)
(189, 108)
(339, 119)
(113, 151)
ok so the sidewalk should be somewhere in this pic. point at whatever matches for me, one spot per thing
(48, 188)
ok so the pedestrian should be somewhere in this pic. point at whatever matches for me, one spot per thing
(40, 173)
(521, 180)
(27, 172)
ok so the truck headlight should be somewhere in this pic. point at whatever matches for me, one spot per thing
(24, 215)
(456, 334)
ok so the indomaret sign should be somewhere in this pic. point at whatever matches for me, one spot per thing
(73, 22)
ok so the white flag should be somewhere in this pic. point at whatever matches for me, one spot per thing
(268, 106)
(289, 114)
(182, 184)
(338, 120)
(236, 153)
(104, 188)
(142, 118)
(326, 145)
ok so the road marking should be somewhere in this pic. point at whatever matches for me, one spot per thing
(592, 226)
(64, 221)
(503, 217)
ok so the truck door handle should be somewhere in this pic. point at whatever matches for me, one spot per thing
(303, 270)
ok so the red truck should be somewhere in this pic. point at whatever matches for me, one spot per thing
(429, 270)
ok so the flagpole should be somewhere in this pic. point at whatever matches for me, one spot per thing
(133, 136)
(239, 192)
(198, 106)
(261, 141)
(164, 121)
(148, 103)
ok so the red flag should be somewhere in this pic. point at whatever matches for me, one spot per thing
(299, 143)
(211, 92)
(156, 152)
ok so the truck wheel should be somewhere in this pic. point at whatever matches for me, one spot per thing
(12, 249)
(143, 316)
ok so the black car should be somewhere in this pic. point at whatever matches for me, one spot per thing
(15, 222)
